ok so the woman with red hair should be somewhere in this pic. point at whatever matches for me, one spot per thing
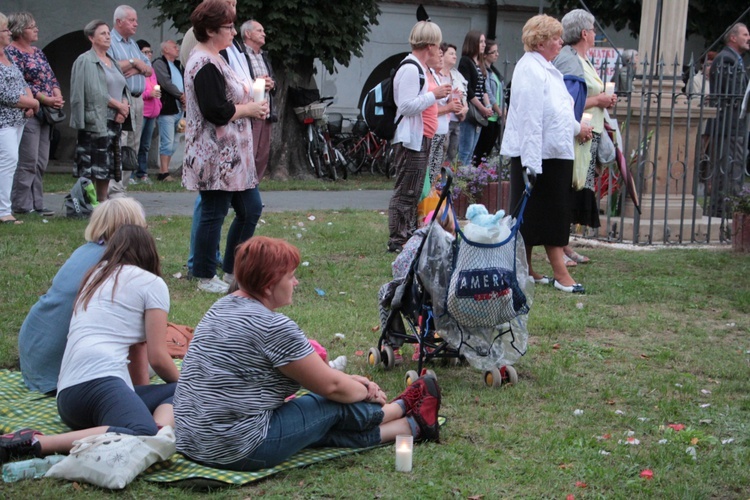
(246, 359)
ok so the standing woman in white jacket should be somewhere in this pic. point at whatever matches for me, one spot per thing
(416, 96)
(539, 137)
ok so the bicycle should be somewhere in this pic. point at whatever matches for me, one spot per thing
(321, 154)
(364, 146)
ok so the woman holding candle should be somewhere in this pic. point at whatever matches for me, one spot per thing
(151, 109)
(539, 137)
(246, 359)
(579, 36)
(219, 159)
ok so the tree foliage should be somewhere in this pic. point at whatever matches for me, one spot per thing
(706, 18)
(297, 31)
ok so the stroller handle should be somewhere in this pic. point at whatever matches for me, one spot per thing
(446, 174)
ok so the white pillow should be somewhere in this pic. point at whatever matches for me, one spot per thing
(112, 460)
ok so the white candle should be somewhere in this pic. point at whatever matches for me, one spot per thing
(586, 119)
(157, 87)
(609, 88)
(404, 447)
(259, 89)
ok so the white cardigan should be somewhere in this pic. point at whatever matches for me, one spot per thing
(541, 124)
(411, 101)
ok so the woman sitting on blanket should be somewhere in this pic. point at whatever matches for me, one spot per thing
(246, 358)
(123, 302)
(44, 333)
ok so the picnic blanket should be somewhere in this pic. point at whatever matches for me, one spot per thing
(21, 408)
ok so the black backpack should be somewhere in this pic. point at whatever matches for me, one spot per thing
(81, 199)
(379, 107)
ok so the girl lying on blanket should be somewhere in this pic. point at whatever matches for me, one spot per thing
(123, 302)
(44, 333)
(246, 358)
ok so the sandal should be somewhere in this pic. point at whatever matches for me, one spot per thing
(569, 262)
(578, 258)
(11, 220)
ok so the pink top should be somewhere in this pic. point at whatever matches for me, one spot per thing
(151, 106)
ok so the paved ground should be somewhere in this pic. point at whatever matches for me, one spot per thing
(275, 201)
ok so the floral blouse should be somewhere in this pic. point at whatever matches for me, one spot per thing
(217, 157)
(35, 69)
(11, 90)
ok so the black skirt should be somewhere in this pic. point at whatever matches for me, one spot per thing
(546, 220)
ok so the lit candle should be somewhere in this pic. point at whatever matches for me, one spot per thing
(404, 447)
(609, 88)
(157, 87)
(586, 119)
(259, 89)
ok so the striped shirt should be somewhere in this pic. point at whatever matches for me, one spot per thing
(123, 50)
(230, 383)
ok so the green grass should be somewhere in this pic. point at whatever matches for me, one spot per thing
(654, 330)
(61, 183)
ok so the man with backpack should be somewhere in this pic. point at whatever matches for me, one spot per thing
(415, 93)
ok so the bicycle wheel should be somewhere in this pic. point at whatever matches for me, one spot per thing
(339, 163)
(313, 156)
(384, 159)
(353, 153)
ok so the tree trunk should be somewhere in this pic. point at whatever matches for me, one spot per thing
(288, 147)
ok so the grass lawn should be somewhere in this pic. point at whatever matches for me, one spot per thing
(662, 337)
(61, 183)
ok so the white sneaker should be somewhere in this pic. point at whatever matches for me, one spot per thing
(338, 363)
(228, 278)
(213, 285)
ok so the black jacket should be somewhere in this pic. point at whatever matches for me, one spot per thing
(170, 94)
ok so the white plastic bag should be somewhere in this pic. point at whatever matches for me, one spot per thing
(112, 460)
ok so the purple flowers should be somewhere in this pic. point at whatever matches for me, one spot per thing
(471, 180)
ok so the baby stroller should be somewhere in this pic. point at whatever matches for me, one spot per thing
(461, 299)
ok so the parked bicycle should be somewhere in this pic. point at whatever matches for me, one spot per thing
(322, 157)
(364, 147)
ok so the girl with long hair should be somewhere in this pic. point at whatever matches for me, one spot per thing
(473, 70)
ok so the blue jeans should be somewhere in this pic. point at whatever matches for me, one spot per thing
(312, 421)
(197, 211)
(167, 131)
(147, 132)
(467, 141)
(109, 401)
(215, 206)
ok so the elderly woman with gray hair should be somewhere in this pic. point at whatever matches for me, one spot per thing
(587, 90)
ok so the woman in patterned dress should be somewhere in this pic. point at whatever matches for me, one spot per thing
(16, 105)
(219, 159)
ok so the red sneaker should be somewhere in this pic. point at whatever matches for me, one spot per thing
(19, 444)
(422, 401)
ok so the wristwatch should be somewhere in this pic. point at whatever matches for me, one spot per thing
(132, 62)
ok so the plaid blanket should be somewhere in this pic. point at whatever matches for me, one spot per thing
(21, 408)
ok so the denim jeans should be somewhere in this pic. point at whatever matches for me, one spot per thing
(467, 141)
(312, 421)
(147, 132)
(215, 206)
(197, 211)
(109, 401)
(167, 131)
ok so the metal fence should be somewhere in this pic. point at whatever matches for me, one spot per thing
(685, 149)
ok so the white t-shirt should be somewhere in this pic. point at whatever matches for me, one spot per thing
(100, 337)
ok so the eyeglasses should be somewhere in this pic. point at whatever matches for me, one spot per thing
(6, 31)
(147, 51)
(32, 27)
(229, 27)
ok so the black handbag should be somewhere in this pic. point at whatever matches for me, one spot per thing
(51, 116)
(129, 158)
(475, 117)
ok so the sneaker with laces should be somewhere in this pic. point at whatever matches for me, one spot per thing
(20, 444)
(213, 285)
(422, 402)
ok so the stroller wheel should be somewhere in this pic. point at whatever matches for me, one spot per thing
(429, 373)
(373, 357)
(492, 378)
(511, 375)
(389, 358)
(410, 377)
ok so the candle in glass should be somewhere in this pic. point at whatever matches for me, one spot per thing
(586, 119)
(259, 89)
(609, 88)
(404, 448)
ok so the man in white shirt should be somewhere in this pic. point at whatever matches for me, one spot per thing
(254, 37)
